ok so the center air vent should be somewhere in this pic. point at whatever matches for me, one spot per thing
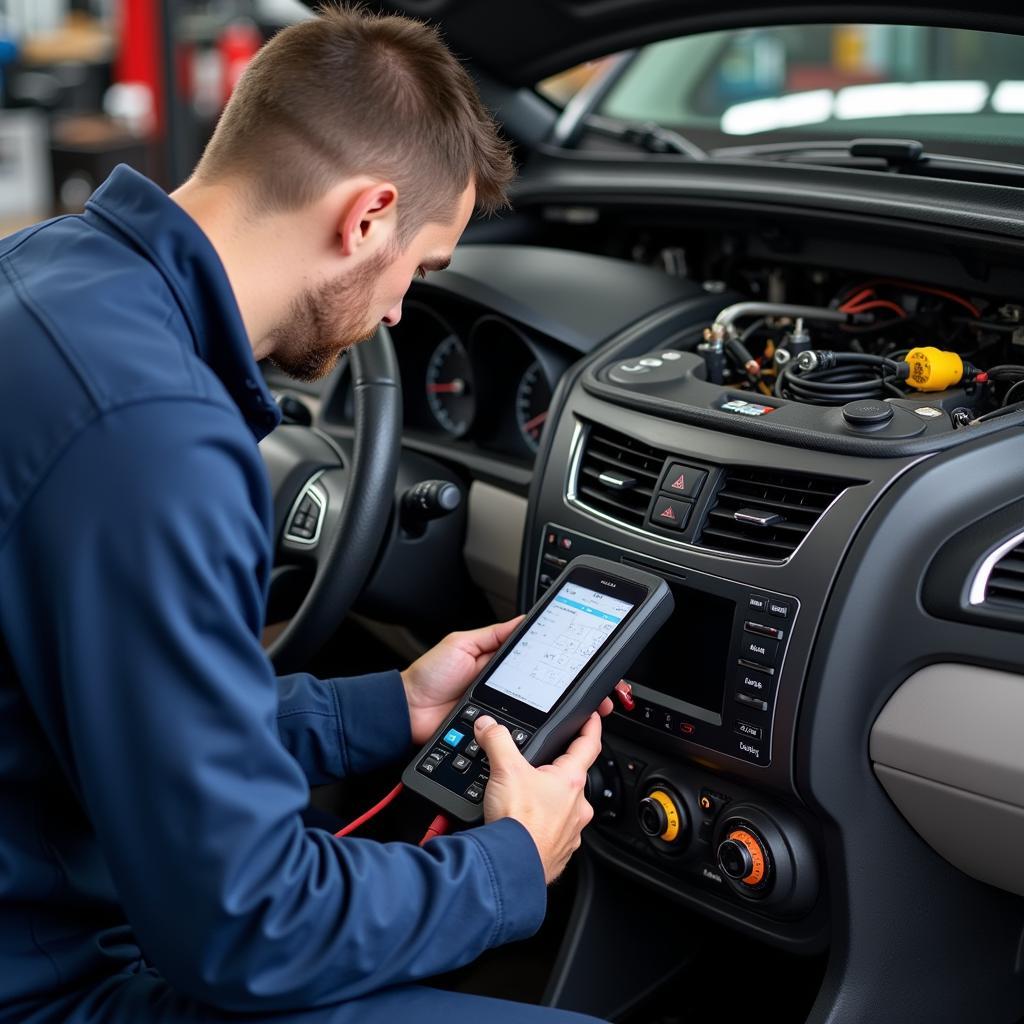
(1005, 587)
(767, 513)
(618, 475)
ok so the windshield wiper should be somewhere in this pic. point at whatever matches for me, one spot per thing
(901, 156)
(647, 135)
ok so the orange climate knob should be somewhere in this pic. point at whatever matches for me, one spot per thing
(742, 857)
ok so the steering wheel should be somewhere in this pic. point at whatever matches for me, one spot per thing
(331, 509)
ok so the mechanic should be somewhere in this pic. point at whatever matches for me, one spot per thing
(153, 861)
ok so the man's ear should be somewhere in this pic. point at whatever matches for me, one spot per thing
(369, 218)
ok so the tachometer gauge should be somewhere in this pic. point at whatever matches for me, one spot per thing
(533, 396)
(450, 392)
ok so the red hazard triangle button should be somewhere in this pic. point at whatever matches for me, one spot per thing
(670, 514)
(684, 480)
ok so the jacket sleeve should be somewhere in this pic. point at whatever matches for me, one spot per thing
(138, 567)
(345, 726)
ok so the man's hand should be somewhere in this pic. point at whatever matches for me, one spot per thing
(437, 679)
(548, 801)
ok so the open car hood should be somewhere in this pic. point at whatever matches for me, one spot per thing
(520, 42)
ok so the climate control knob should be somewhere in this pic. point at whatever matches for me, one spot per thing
(743, 857)
(661, 816)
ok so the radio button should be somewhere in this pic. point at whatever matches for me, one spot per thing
(749, 731)
(761, 651)
(755, 683)
(752, 702)
(757, 603)
(780, 609)
(761, 630)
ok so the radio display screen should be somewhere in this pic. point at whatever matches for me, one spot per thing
(688, 660)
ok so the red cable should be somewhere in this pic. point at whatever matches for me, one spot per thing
(864, 293)
(969, 306)
(438, 827)
(363, 818)
(876, 304)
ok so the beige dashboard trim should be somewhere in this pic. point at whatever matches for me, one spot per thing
(495, 523)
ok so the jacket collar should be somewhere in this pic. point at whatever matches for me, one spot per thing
(170, 239)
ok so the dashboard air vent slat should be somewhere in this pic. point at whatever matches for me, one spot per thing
(1006, 583)
(612, 455)
(796, 500)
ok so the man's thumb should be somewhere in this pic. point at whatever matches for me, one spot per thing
(497, 744)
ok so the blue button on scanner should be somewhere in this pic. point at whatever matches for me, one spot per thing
(453, 737)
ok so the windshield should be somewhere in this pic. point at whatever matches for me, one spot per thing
(958, 87)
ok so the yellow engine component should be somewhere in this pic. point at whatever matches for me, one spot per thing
(932, 369)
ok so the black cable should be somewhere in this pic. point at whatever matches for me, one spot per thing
(839, 378)
(1009, 394)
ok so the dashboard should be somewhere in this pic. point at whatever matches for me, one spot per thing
(835, 534)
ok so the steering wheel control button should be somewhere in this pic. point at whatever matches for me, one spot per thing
(453, 738)
(670, 514)
(469, 713)
(682, 480)
(306, 517)
(759, 650)
(749, 731)
(867, 415)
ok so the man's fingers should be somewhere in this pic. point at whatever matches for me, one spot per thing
(606, 708)
(498, 745)
(585, 749)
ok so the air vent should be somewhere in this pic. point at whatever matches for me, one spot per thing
(767, 513)
(1006, 582)
(618, 475)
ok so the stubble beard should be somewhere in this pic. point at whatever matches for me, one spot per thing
(325, 322)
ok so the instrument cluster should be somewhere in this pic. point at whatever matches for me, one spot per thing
(481, 379)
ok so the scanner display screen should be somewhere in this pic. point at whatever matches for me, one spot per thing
(553, 651)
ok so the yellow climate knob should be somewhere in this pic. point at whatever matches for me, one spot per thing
(659, 816)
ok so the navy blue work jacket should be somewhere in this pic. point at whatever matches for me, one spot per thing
(152, 767)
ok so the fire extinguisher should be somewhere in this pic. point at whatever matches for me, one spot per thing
(237, 45)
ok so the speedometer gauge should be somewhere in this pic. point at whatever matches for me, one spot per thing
(533, 397)
(450, 392)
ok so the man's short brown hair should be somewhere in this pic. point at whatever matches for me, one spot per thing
(348, 93)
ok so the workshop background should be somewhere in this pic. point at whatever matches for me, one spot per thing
(88, 84)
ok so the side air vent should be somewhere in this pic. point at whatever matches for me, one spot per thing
(618, 475)
(1005, 587)
(767, 513)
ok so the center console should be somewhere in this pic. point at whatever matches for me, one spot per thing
(695, 795)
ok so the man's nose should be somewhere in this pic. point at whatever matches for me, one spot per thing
(393, 315)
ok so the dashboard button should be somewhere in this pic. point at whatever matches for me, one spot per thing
(670, 355)
(757, 603)
(762, 630)
(760, 650)
(649, 361)
(780, 609)
(752, 702)
(749, 731)
(672, 515)
(756, 683)
(685, 481)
